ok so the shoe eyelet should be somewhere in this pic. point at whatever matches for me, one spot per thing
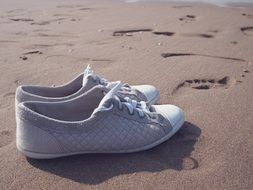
(111, 106)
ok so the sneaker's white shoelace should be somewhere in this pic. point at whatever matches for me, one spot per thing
(140, 107)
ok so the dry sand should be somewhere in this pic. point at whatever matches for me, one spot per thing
(199, 57)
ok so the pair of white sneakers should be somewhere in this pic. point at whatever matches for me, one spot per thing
(91, 115)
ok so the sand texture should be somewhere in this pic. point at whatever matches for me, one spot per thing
(199, 57)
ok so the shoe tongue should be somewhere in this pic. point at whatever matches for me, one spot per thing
(111, 93)
(88, 71)
(104, 104)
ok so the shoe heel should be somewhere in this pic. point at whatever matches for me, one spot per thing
(32, 141)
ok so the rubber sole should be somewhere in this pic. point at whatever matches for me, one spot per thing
(37, 155)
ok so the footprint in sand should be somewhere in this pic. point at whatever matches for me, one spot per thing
(63, 15)
(248, 30)
(24, 56)
(40, 46)
(85, 9)
(75, 19)
(55, 35)
(169, 55)
(22, 19)
(6, 137)
(181, 6)
(187, 136)
(69, 6)
(245, 72)
(247, 15)
(32, 52)
(213, 31)
(70, 17)
(164, 33)
(234, 42)
(188, 18)
(7, 98)
(189, 163)
(130, 32)
(101, 60)
(205, 84)
(202, 35)
(46, 22)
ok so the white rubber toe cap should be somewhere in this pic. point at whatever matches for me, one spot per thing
(173, 113)
(150, 92)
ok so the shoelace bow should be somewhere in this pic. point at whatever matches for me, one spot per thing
(141, 107)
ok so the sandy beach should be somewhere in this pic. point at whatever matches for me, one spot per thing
(199, 56)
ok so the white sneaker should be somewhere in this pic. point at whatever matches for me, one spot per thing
(93, 123)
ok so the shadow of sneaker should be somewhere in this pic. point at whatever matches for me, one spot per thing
(95, 168)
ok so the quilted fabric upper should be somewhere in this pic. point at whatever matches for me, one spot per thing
(114, 133)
